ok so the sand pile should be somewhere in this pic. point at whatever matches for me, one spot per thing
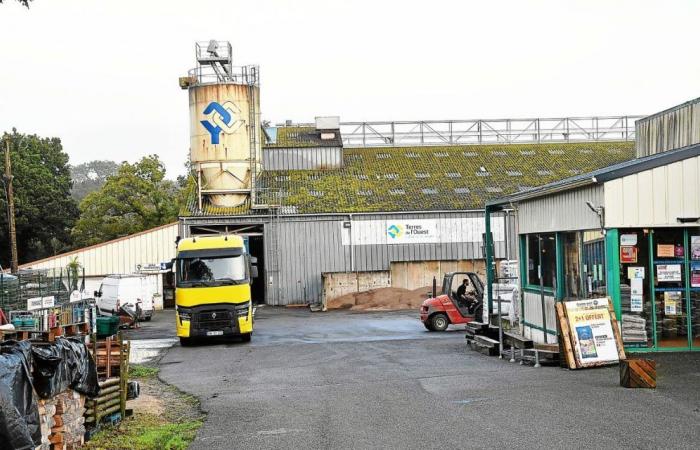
(382, 299)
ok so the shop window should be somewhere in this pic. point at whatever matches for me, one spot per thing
(584, 265)
(635, 293)
(572, 267)
(593, 264)
(541, 260)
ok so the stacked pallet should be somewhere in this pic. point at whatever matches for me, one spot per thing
(62, 421)
(483, 338)
(109, 354)
(112, 361)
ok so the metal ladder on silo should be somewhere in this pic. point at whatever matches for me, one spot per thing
(252, 133)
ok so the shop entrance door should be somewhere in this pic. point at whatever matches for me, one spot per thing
(670, 287)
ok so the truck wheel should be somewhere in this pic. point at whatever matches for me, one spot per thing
(427, 326)
(185, 342)
(246, 337)
(148, 318)
(439, 322)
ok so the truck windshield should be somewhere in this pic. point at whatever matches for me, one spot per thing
(207, 272)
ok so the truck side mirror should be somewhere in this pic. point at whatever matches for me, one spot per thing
(253, 271)
(97, 294)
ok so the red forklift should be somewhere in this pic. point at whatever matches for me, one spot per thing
(446, 309)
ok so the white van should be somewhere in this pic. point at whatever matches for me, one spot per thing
(130, 292)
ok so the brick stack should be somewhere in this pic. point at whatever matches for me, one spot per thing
(62, 421)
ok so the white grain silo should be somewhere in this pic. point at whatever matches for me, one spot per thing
(225, 147)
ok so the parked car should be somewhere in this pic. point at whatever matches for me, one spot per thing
(128, 293)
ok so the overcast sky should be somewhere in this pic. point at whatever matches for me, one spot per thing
(102, 75)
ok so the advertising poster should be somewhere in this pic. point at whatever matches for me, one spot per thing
(635, 272)
(592, 333)
(665, 251)
(695, 248)
(695, 274)
(668, 273)
(672, 303)
(628, 255)
(628, 239)
(637, 295)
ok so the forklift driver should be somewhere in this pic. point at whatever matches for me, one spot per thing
(465, 298)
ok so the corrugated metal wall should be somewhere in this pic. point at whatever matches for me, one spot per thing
(308, 246)
(656, 197)
(561, 212)
(674, 128)
(302, 158)
(120, 255)
(311, 246)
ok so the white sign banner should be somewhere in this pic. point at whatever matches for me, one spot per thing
(419, 231)
(40, 302)
(592, 332)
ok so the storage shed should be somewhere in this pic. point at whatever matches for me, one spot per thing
(629, 231)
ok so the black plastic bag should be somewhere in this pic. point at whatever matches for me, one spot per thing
(82, 368)
(19, 413)
(63, 364)
(50, 369)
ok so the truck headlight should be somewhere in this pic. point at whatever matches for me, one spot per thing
(184, 314)
(242, 310)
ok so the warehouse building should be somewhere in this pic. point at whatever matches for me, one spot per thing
(337, 219)
(140, 253)
(629, 231)
(329, 208)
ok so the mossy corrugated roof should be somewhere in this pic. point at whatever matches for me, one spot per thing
(428, 178)
(303, 137)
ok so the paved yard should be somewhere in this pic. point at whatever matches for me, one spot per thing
(379, 380)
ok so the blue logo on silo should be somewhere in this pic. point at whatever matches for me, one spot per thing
(221, 120)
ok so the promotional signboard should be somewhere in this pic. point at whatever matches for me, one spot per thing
(593, 340)
(668, 273)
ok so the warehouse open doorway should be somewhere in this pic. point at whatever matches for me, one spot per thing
(253, 236)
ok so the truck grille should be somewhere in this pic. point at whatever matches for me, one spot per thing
(214, 320)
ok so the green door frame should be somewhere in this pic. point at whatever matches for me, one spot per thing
(612, 258)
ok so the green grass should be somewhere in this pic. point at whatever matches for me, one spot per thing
(146, 432)
(138, 371)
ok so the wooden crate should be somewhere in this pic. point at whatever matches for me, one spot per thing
(638, 373)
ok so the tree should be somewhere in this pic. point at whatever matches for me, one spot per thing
(44, 210)
(136, 198)
(90, 176)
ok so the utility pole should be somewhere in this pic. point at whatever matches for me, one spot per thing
(10, 207)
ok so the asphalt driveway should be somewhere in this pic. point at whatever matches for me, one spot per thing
(379, 380)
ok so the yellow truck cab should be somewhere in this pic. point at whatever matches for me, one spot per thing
(212, 291)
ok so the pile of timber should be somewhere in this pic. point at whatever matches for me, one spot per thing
(62, 422)
(110, 401)
(483, 338)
